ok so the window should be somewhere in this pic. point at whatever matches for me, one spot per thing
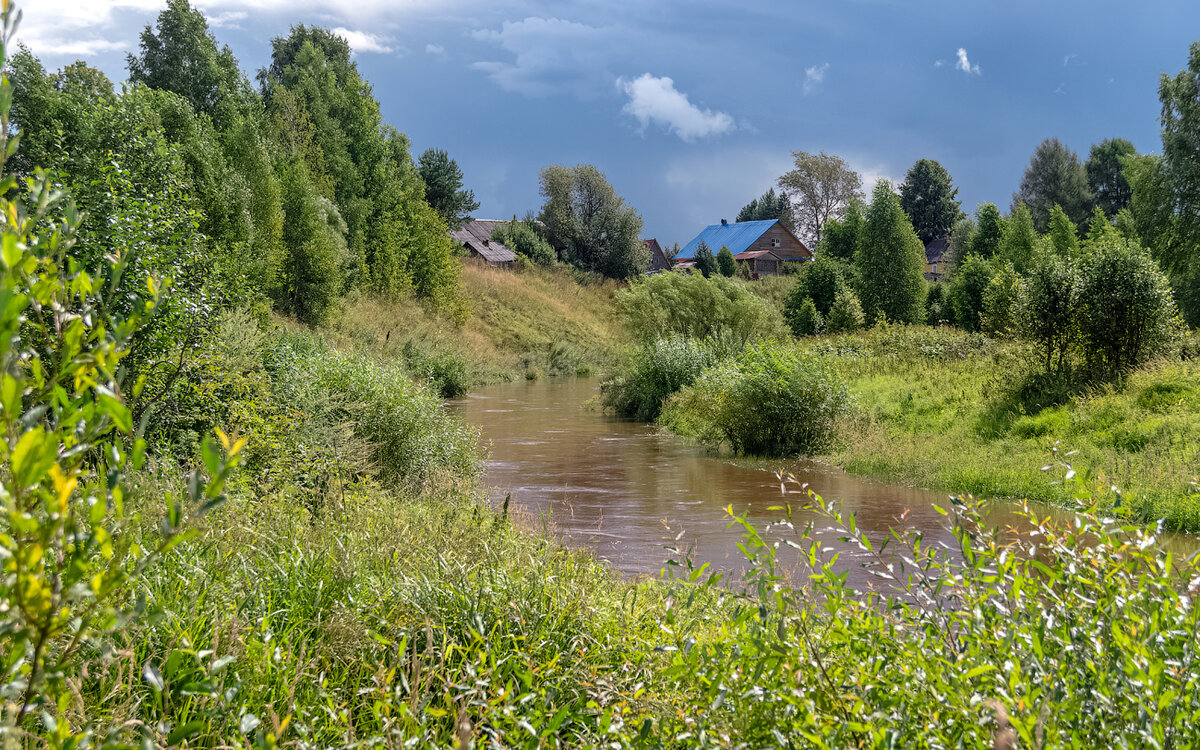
(774, 242)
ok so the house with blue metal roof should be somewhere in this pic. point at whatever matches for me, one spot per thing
(749, 239)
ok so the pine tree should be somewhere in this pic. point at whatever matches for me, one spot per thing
(891, 260)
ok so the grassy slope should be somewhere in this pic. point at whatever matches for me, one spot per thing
(940, 409)
(522, 323)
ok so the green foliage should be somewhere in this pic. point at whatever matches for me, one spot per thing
(960, 243)
(71, 553)
(705, 261)
(181, 56)
(695, 307)
(929, 199)
(1055, 177)
(589, 225)
(1019, 242)
(657, 370)
(313, 236)
(1064, 237)
(966, 290)
(804, 320)
(846, 314)
(770, 400)
(443, 187)
(1048, 310)
(937, 309)
(1100, 233)
(989, 232)
(820, 187)
(726, 263)
(841, 238)
(523, 236)
(820, 280)
(769, 205)
(891, 260)
(1127, 314)
(1104, 174)
(1000, 300)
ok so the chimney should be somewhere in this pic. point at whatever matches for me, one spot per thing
(724, 223)
(486, 243)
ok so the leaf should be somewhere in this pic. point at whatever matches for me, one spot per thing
(984, 669)
(153, 677)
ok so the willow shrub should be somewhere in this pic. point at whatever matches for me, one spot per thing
(657, 370)
(770, 400)
(1073, 634)
(699, 307)
(412, 436)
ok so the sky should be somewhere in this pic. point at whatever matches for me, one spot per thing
(693, 109)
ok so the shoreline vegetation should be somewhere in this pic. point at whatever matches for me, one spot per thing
(237, 512)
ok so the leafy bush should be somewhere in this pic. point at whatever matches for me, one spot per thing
(770, 401)
(692, 306)
(804, 321)
(966, 290)
(522, 237)
(413, 437)
(657, 370)
(1127, 314)
(846, 315)
(725, 262)
(820, 280)
(446, 372)
(937, 310)
(1000, 302)
(1047, 310)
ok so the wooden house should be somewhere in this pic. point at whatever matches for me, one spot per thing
(476, 237)
(937, 258)
(759, 263)
(743, 237)
(658, 259)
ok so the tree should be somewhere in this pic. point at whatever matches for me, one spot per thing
(1105, 176)
(960, 242)
(769, 205)
(725, 262)
(989, 231)
(1055, 176)
(820, 280)
(310, 279)
(820, 187)
(1126, 312)
(1100, 232)
(846, 315)
(804, 320)
(181, 56)
(706, 262)
(1048, 309)
(443, 187)
(936, 310)
(1175, 216)
(1000, 302)
(965, 293)
(1019, 242)
(589, 224)
(1064, 238)
(891, 260)
(842, 237)
(522, 236)
(928, 198)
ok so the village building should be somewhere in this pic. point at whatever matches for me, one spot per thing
(476, 236)
(658, 259)
(761, 246)
(937, 258)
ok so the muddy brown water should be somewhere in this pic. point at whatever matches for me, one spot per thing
(630, 492)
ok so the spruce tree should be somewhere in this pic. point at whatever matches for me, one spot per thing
(928, 198)
(891, 260)
(705, 261)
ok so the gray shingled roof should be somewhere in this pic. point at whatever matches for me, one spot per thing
(476, 235)
(937, 249)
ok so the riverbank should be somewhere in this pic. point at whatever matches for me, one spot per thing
(525, 322)
(959, 412)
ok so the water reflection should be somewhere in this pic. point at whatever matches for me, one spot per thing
(628, 491)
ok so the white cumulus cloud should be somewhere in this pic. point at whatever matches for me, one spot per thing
(656, 100)
(364, 41)
(228, 20)
(814, 77)
(435, 49)
(964, 64)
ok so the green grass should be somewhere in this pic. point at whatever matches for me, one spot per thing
(522, 323)
(954, 411)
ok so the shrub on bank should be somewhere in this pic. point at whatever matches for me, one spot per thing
(658, 370)
(770, 400)
(697, 307)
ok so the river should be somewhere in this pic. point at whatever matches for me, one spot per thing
(629, 491)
